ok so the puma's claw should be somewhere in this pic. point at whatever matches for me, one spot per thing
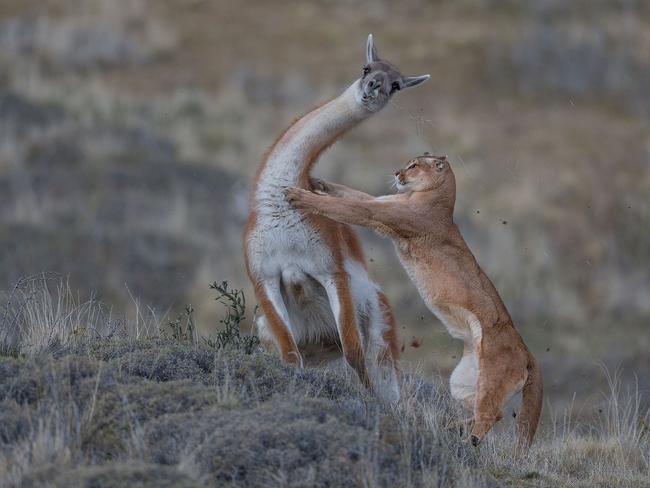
(318, 185)
(296, 197)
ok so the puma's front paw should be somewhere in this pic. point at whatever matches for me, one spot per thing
(320, 186)
(298, 198)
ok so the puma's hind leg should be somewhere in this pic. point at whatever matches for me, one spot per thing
(496, 384)
(489, 403)
(464, 378)
(462, 385)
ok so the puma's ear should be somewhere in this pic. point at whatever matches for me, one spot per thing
(440, 162)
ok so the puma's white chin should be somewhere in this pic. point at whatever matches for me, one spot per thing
(401, 187)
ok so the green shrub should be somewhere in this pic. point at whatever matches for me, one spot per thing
(231, 337)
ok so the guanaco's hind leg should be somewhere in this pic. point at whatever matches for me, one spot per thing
(340, 298)
(277, 319)
(382, 349)
(391, 354)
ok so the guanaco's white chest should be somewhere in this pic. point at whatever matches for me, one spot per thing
(282, 237)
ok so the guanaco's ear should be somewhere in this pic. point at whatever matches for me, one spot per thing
(410, 81)
(371, 50)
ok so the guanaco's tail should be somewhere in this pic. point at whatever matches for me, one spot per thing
(531, 404)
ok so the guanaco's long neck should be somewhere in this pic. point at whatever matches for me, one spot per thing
(292, 157)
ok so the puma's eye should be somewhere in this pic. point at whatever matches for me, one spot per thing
(395, 87)
(411, 166)
(366, 70)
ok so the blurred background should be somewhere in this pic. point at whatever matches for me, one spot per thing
(130, 130)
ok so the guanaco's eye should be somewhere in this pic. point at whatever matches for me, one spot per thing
(395, 87)
(366, 70)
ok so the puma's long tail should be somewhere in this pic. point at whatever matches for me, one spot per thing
(531, 404)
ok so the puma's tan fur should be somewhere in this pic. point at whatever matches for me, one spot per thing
(496, 363)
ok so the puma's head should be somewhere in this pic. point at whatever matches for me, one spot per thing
(426, 173)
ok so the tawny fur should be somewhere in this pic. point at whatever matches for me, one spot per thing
(309, 272)
(496, 363)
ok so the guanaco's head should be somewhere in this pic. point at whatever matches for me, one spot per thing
(380, 80)
(426, 173)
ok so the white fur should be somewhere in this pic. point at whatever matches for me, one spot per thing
(372, 325)
(464, 378)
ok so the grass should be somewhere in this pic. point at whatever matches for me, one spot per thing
(86, 400)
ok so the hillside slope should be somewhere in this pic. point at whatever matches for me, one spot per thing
(152, 412)
(89, 400)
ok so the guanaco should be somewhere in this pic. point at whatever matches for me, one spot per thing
(309, 273)
(496, 363)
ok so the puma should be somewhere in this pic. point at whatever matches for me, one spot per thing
(496, 363)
